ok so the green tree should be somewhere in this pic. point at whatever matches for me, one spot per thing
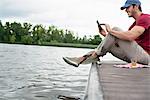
(8, 31)
(17, 30)
(2, 31)
(24, 33)
(12, 38)
(26, 39)
(38, 34)
(27, 29)
(97, 39)
(69, 37)
(85, 40)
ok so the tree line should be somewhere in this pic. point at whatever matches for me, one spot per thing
(27, 33)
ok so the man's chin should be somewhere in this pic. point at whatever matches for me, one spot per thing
(129, 16)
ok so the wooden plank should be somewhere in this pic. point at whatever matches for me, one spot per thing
(123, 83)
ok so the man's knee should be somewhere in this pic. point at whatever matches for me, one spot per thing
(117, 29)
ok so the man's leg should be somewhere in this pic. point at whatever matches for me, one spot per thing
(131, 50)
(124, 50)
(104, 47)
(117, 52)
(106, 44)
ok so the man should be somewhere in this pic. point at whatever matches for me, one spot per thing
(133, 44)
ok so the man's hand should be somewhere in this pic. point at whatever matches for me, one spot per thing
(108, 29)
(102, 32)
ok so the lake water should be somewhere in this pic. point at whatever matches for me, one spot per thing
(39, 73)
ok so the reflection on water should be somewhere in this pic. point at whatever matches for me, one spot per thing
(39, 73)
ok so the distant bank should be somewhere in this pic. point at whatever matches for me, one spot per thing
(74, 45)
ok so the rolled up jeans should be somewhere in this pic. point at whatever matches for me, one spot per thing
(123, 49)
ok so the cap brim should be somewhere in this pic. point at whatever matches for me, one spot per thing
(122, 8)
(125, 6)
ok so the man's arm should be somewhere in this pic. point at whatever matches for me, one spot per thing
(130, 35)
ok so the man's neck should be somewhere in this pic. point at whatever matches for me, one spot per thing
(137, 15)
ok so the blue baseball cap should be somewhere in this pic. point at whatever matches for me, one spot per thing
(129, 3)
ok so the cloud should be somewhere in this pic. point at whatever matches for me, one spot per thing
(11, 9)
(77, 15)
(20, 8)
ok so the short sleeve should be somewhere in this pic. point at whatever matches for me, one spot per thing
(144, 21)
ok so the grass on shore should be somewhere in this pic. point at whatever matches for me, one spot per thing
(74, 45)
(70, 45)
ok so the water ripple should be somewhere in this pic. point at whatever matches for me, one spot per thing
(39, 73)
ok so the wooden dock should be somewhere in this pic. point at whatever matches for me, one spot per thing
(111, 83)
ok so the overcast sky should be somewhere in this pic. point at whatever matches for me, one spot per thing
(77, 15)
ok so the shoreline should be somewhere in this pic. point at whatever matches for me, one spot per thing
(72, 45)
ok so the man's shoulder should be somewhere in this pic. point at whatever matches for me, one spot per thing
(145, 16)
(144, 21)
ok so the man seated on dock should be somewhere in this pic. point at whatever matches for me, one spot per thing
(133, 44)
